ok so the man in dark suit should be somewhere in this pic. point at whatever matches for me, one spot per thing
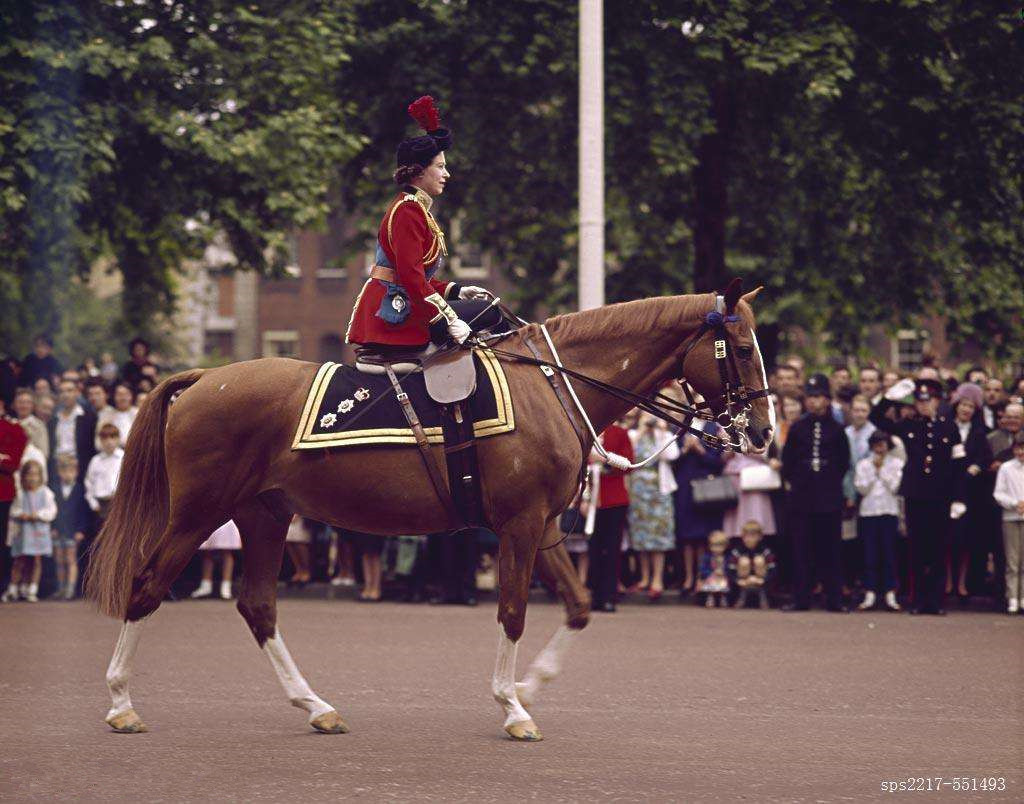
(932, 485)
(815, 458)
(72, 430)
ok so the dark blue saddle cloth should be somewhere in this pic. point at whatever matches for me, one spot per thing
(346, 407)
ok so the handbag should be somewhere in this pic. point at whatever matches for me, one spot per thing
(572, 521)
(714, 493)
(760, 477)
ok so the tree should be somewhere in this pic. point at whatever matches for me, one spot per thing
(134, 130)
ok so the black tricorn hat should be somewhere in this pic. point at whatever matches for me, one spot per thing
(421, 150)
(817, 385)
(927, 389)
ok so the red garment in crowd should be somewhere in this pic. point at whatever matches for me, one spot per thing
(613, 483)
(12, 446)
(413, 244)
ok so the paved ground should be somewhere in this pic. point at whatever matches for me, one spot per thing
(659, 703)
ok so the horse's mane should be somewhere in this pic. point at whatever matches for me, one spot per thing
(628, 318)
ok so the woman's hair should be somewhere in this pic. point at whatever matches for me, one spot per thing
(406, 173)
(27, 467)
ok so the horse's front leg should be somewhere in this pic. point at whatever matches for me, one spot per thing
(556, 567)
(519, 541)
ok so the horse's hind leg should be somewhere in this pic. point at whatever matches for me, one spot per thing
(263, 536)
(518, 548)
(176, 546)
(556, 567)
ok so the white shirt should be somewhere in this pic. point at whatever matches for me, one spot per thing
(121, 419)
(101, 477)
(858, 439)
(879, 486)
(964, 428)
(1010, 489)
(65, 430)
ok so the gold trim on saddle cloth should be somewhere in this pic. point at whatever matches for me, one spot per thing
(505, 421)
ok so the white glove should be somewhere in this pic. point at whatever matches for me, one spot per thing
(470, 292)
(957, 510)
(459, 330)
(616, 461)
(903, 388)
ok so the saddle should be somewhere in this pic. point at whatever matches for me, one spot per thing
(450, 379)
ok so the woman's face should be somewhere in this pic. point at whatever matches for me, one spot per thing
(791, 409)
(964, 410)
(434, 176)
(122, 398)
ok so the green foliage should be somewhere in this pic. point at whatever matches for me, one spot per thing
(133, 130)
(861, 159)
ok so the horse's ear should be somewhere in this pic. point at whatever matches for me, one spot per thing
(751, 295)
(732, 294)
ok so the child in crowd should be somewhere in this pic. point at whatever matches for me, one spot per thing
(714, 582)
(1009, 493)
(752, 566)
(32, 512)
(104, 469)
(70, 526)
(877, 478)
(222, 542)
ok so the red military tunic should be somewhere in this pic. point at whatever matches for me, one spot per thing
(412, 244)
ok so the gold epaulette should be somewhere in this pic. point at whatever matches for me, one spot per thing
(439, 246)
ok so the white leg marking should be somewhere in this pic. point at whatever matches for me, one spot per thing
(503, 685)
(295, 686)
(119, 672)
(546, 666)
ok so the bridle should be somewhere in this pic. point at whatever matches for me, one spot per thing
(737, 397)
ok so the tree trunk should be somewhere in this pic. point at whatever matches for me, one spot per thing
(711, 193)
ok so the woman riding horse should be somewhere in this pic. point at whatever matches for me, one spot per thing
(402, 307)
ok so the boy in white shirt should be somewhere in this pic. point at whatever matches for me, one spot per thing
(104, 468)
(877, 478)
(1009, 493)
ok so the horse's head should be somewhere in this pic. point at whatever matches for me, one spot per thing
(725, 366)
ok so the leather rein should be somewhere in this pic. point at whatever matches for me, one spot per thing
(737, 397)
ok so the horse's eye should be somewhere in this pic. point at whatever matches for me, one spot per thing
(745, 352)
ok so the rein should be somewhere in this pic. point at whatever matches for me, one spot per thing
(736, 395)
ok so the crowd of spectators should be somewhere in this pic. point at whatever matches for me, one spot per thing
(832, 508)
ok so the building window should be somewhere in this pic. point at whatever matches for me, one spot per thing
(468, 260)
(280, 343)
(292, 268)
(910, 347)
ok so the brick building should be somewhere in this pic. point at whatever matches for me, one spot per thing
(237, 315)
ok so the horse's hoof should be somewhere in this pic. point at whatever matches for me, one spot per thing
(525, 731)
(127, 722)
(329, 723)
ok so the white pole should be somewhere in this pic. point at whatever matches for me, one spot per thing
(591, 188)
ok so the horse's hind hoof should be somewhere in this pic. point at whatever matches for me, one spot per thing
(525, 731)
(329, 723)
(127, 722)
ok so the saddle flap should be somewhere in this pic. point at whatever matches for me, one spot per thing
(451, 377)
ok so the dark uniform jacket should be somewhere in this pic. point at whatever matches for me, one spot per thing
(73, 513)
(814, 459)
(935, 456)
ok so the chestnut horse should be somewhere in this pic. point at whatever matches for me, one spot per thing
(223, 450)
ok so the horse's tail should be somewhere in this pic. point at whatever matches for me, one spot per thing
(140, 508)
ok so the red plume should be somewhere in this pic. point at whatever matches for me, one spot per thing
(423, 111)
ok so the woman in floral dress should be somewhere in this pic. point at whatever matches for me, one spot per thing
(651, 512)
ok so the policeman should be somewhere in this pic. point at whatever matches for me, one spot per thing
(932, 485)
(815, 458)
